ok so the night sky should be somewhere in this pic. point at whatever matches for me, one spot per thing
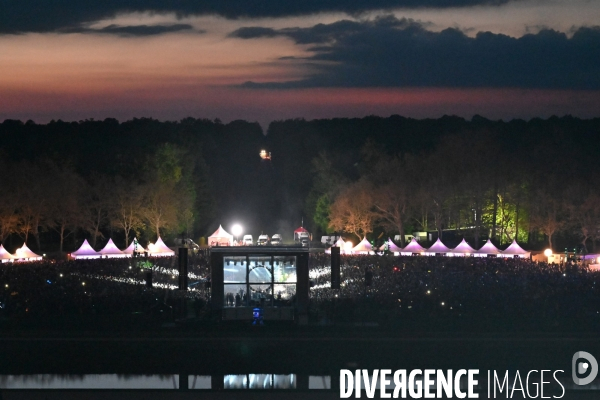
(264, 60)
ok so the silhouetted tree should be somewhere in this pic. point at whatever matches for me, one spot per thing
(585, 217)
(353, 211)
(98, 198)
(125, 210)
(66, 209)
(548, 215)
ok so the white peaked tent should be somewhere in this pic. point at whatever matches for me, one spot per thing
(220, 238)
(341, 244)
(112, 251)
(437, 248)
(129, 251)
(364, 247)
(24, 254)
(514, 250)
(463, 249)
(85, 251)
(5, 256)
(159, 249)
(391, 246)
(487, 248)
(411, 248)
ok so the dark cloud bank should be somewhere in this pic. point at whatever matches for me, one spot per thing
(18, 16)
(390, 52)
(134, 30)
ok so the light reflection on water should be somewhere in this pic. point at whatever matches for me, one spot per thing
(91, 381)
(114, 381)
(260, 381)
(206, 382)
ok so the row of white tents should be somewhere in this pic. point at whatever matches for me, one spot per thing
(437, 249)
(158, 249)
(23, 253)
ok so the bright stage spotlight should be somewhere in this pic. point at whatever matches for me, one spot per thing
(237, 230)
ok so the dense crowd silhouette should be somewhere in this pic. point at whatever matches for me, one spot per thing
(497, 290)
(500, 292)
(99, 287)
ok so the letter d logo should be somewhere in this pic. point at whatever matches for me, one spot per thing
(584, 367)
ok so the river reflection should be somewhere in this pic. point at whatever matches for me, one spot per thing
(89, 381)
(220, 382)
(114, 381)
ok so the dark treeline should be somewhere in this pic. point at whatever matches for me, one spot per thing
(534, 180)
(530, 180)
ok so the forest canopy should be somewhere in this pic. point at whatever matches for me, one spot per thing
(526, 180)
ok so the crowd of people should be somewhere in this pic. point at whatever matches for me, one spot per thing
(47, 289)
(502, 290)
(381, 289)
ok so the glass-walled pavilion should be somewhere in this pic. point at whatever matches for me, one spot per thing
(273, 278)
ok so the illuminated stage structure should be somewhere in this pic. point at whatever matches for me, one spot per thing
(273, 278)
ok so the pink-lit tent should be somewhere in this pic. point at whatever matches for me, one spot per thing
(24, 254)
(85, 251)
(112, 251)
(463, 249)
(514, 250)
(364, 247)
(487, 248)
(437, 248)
(220, 238)
(159, 249)
(391, 246)
(129, 250)
(5, 256)
(412, 247)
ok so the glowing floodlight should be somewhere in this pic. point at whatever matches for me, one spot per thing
(548, 252)
(348, 246)
(237, 230)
